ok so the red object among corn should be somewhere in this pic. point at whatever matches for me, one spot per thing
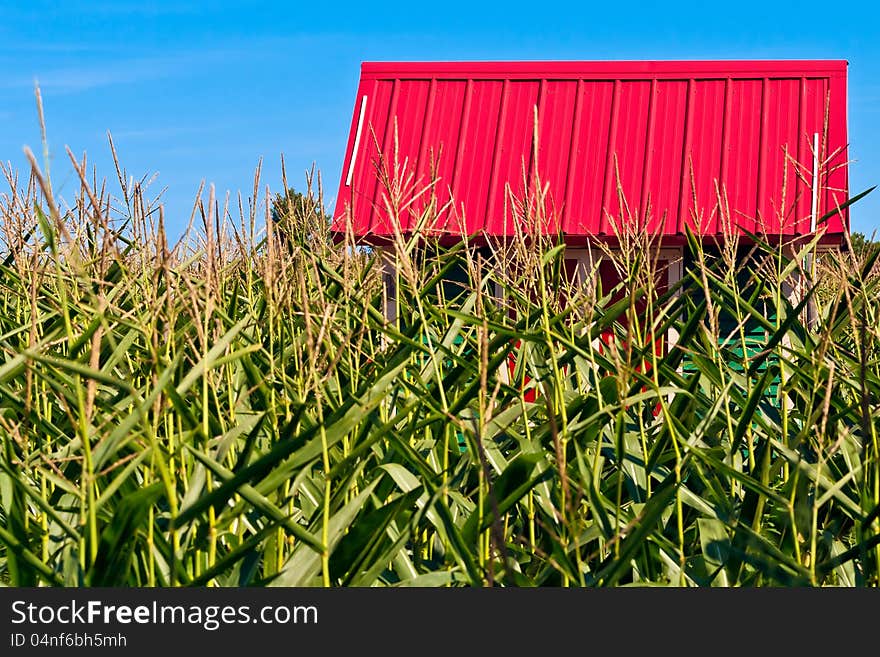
(671, 134)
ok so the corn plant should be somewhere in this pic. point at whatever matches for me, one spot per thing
(236, 408)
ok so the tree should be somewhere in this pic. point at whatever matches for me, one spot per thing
(300, 219)
(863, 246)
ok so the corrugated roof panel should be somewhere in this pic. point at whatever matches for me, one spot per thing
(366, 191)
(816, 107)
(625, 138)
(705, 141)
(806, 117)
(555, 136)
(628, 146)
(585, 186)
(837, 184)
(473, 170)
(665, 155)
(512, 160)
(441, 141)
(740, 158)
(775, 199)
(407, 130)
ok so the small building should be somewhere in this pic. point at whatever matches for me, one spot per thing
(723, 147)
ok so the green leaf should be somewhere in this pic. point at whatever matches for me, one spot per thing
(305, 563)
(116, 546)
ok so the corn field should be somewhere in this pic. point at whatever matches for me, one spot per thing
(237, 407)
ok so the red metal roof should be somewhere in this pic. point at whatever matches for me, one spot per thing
(651, 133)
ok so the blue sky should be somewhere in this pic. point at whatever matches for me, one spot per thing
(196, 91)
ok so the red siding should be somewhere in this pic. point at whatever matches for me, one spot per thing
(658, 141)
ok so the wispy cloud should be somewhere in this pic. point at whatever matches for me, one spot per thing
(147, 8)
(37, 10)
(15, 47)
(149, 133)
(75, 80)
(115, 71)
(162, 132)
